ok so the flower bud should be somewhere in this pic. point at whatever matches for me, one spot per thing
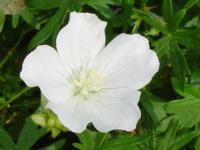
(39, 119)
(48, 120)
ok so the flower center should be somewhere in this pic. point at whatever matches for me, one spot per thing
(87, 83)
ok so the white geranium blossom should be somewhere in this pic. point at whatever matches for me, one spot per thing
(86, 82)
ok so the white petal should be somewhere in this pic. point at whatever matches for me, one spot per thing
(127, 61)
(116, 109)
(110, 110)
(73, 114)
(80, 41)
(42, 68)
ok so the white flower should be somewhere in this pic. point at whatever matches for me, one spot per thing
(84, 81)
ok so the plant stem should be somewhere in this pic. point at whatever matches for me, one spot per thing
(24, 90)
(136, 25)
(10, 52)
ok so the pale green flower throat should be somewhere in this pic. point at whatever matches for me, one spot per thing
(87, 83)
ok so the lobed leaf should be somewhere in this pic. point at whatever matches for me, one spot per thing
(44, 4)
(6, 142)
(48, 29)
(186, 111)
(29, 135)
(152, 19)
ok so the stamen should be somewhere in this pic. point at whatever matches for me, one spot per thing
(87, 83)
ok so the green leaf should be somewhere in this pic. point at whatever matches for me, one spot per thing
(28, 17)
(188, 38)
(2, 20)
(193, 22)
(101, 139)
(178, 18)
(124, 142)
(152, 19)
(162, 46)
(183, 139)
(190, 91)
(197, 143)
(2, 100)
(29, 135)
(163, 125)
(98, 141)
(55, 146)
(186, 111)
(6, 142)
(167, 9)
(48, 29)
(190, 3)
(87, 139)
(125, 17)
(44, 4)
(154, 106)
(179, 64)
(173, 19)
(169, 136)
(102, 7)
(175, 85)
(15, 20)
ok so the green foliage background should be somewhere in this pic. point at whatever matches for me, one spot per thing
(170, 104)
